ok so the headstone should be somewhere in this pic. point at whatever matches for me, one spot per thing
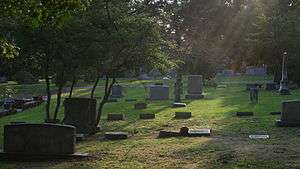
(199, 132)
(159, 92)
(244, 113)
(81, 113)
(139, 106)
(254, 95)
(290, 116)
(117, 91)
(3, 79)
(271, 86)
(116, 135)
(256, 71)
(115, 117)
(195, 85)
(183, 115)
(228, 73)
(176, 105)
(39, 139)
(147, 116)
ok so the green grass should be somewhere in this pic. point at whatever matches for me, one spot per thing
(228, 147)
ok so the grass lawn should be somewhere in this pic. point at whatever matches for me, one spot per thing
(228, 147)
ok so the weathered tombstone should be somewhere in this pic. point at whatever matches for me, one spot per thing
(147, 116)
(176, 105)
(185, 132)
(159, 92)
(254, 95)
(115, 117)
(228, 73)
(116, 135)
(256, 71)
(167, 134)
(290, 116)
(140, 106)
(3, 79)
(195, 85)
(81, 113)
(39, 141)
(271, 86)
(244, 114)
(183, 115)
(117, 91)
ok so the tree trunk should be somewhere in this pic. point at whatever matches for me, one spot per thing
(72, 86)
(108, 88)
(58, 100)
(48, 92)
(95, 86)
(178, 87)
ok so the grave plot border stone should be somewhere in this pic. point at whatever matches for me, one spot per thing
(147, 116)
(115, 117)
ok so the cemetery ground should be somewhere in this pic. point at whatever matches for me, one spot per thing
(228, 147)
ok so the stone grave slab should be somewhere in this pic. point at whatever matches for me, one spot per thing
(275, 113)
(168, 134)
(147, 116)
(254, 137)
(33, 141)
(199, 132)
(159, 92)
(139, 106)
(177, 105)
(130, 100)
(115, 117)
(242, 114)
(81, 113)
(183, 115)
(116, 135)
(290, 116)
(117, 91)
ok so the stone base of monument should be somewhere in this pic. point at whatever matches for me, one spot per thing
(194, 96)
(115, 117)
(183, 115)
(140, 106)
(281, 123)
(241, 114)
(284, 92)
(147, 116)
(27, 141)
(176, 105)
(116, 135)
(275, 113)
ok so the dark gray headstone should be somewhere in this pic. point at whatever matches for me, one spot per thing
(116, 135)
(195, 85)
(167, 134)
(290, 115)
(244, 113)
(115, 117)
(159, 92)
(271, 86)
(81, 113)
(140, 106)
(147, 116)
(117, 91)
(183, 115)
(39, 139)
(256, 71)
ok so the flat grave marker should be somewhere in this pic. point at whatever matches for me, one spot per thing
(115, 117)
(146, 116)
(116, 135)
(243, 114)
(183, 115)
